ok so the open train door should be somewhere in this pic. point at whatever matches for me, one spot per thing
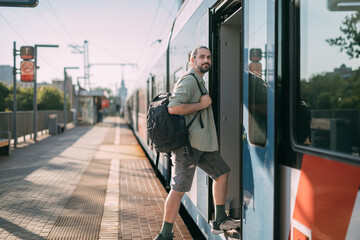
(243, 38)
(228, 63)
(258, 143)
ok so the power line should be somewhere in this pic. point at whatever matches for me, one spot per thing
(108, 52)
(149, 32)
(170, 15)
(29, 26)
(164, 7)
(12, 27)
(61, 22)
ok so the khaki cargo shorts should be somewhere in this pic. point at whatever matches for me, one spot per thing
(185, 164)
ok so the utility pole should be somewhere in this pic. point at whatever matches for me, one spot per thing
(35, 83)
(15, 71)
(84, 49)
(65, 110)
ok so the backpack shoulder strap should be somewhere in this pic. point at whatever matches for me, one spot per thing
(198, 84)
(202, 93)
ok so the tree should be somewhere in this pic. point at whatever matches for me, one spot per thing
(4, 97)
(25, 99)
(50, 98)
(330, 91)
(351, 42)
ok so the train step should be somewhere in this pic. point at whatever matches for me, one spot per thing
(233, 234)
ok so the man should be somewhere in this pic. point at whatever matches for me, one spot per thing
(187, 100)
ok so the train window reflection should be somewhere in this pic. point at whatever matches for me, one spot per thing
(256, 43)
(257, 110)
(329, 78)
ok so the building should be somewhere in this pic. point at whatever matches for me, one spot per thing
(59, 84)
(6, 74)
(89, 106)
(343, 71)
(120, 102)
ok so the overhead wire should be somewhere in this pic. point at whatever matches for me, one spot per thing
(170, 15)
(34, 30)
(13, 28)
(164, 7)
(26, 42)
(60, 21)
(108, 52)
(149, 32)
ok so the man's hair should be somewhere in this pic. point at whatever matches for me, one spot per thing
(195, 51)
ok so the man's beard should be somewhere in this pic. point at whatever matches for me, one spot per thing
(203, 69)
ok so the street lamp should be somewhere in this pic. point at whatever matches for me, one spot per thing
(35, 85)
(65, 117)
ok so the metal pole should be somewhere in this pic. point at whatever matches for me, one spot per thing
(35, 84)
(85, 65)
(65, 110)
(14, 97)
(35, 93)
(64, 99)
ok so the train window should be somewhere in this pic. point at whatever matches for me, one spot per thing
(327, 115)
(257, 73)
(178, 73)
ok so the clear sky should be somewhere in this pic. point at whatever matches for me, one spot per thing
(117, 32)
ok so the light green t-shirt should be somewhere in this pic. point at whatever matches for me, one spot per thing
(187, 91)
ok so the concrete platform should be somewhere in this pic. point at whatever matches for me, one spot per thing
(92, 182)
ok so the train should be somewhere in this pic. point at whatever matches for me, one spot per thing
(285, 93)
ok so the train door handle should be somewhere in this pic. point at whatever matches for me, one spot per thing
(244, 212)
(244, 136)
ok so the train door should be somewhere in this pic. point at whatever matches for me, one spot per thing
(258, 170)
(230, 102)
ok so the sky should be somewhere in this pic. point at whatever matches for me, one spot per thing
(117, 32)
(317, 25)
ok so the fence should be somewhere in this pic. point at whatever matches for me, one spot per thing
(25, 120)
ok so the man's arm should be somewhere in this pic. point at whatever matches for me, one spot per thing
(187, 108)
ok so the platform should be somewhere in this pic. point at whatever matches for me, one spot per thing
(92, 182)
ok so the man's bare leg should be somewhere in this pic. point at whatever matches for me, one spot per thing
(172, 205)
(220, 186)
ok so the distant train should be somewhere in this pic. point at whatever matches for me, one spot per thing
(285, 86)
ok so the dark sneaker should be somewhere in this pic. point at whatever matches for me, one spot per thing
(160, 237)
(227, 224)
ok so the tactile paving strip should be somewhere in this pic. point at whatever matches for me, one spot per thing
(82, 215)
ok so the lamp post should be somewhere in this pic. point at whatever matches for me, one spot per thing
(35, 85)
(65, 117)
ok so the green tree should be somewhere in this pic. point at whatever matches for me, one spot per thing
(351, 42)
(4, 97)
(25, 99)
(50, 98)
(330, 91)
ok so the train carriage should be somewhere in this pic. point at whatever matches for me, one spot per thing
(285, 85)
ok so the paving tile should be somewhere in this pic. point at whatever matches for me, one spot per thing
(40, 181)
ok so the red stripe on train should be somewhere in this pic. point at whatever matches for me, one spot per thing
(326, 196)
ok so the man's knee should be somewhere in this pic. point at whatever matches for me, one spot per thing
(176, 193)
(174, 197)
(223, 178)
